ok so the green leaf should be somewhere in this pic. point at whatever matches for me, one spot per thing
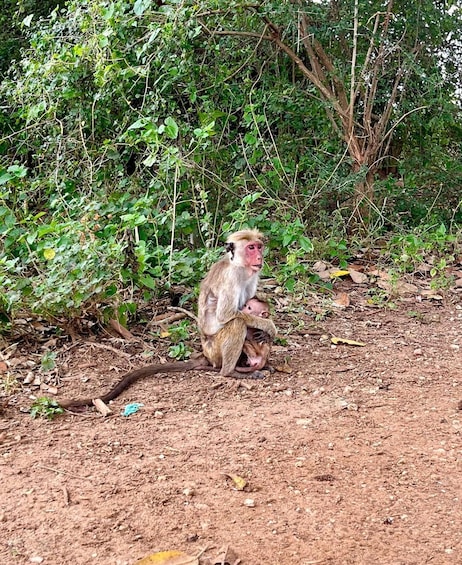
(27, 20)
(250, 138)
(171, 128)
(141, 123)
(141, 6)
(5, 177)
(305, 244)
(148, 281)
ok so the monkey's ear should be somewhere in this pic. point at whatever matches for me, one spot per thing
(230, 249)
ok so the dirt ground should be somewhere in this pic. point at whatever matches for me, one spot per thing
(350, 454)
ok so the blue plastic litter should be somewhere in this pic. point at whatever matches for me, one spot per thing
(131, 408)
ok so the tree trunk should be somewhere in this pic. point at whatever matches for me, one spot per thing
(363, 198)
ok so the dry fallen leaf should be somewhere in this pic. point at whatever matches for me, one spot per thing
(341, 300)
(287, 369)
(226, 556)
(337, 340)
(172, 557)
(319, 267)
(239, 482)
(398, 288)
(49, 389)
(357, 277)
(338, 273)
(430, 295)
(383, 275)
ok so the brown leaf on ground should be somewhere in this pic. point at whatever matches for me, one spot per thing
(398, 288)
(117, 327)
(287, 369)
(430, 294)
(358, 277)
(341, 300)
(226, 556)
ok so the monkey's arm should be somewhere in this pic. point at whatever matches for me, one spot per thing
(264, 324)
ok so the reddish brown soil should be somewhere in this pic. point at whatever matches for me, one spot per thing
(353, 457)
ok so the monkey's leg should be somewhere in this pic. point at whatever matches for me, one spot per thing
(231, 341)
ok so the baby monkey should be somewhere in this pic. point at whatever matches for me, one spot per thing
(257, 344)
(257, 307)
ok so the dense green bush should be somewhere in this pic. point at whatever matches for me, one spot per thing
(134, 139)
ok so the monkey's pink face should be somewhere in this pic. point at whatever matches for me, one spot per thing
(254, 255)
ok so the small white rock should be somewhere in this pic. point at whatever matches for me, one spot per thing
(249, 502)
(304, 421)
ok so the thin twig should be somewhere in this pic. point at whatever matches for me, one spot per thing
(353, 66)
(63, 472)
(167, 319)
(108, 347)
(66, 496)
(184, 311)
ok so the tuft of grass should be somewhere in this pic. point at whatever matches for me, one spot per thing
(45, 407)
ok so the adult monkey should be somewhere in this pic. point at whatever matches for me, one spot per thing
(229, 284)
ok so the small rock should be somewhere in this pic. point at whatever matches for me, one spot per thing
(249, 502)
(29, 378)
(341, 404)
(307, 421)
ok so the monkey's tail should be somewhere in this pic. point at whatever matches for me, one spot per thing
(130, 378)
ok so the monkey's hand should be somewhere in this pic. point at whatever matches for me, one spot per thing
(264, 324)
